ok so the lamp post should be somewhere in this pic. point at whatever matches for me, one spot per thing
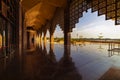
(100, 36)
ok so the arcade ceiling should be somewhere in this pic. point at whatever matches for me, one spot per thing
(39, 12)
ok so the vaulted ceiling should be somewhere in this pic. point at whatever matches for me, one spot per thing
(38, 12)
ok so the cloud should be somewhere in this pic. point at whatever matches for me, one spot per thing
(92, 30)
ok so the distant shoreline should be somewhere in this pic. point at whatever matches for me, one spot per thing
(80, 42)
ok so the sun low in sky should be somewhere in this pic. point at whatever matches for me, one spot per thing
(91, 26)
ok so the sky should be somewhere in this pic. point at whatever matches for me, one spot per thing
(91, 26)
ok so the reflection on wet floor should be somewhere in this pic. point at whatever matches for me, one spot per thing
(39, 65)
(114, 49)
(78, 62)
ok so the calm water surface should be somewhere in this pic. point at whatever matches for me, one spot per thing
(91, 60)
(87, 61)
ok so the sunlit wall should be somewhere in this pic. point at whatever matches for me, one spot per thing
(0, 40)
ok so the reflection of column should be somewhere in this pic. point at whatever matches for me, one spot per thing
(44, 48)
(51, 54)
(66, 65)
(52, 47)
(108, 46)
(111, 46)
(66, 56)
(67, 51)
(40, 40)
(40, 44)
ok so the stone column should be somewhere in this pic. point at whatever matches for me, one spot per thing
(67, 33)
(28, 40)
(51, 31)
(33, 39)
(51, 37)
(44, 37)
(0, 40)
(20, 29)
(4, 42)
(6, 38)
(40, 37)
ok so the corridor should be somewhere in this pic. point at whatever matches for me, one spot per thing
(28, 53)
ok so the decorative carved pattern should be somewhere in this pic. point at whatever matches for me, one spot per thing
(58, 19)
(117, 19)
(109, 8)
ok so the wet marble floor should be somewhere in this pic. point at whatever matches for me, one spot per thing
(86, 61)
